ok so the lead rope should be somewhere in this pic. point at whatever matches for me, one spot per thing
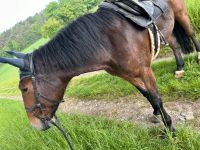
(62, 130)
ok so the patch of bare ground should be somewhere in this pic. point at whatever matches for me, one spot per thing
(138, 110)
(135, 109)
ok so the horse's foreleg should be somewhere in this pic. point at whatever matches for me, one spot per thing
(178, 57)
(147, 86)
(155, 100)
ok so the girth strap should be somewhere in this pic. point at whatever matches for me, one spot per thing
(155, 40)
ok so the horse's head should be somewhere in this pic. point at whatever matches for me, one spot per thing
(41, 93)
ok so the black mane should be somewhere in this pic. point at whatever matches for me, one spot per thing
(75, 44)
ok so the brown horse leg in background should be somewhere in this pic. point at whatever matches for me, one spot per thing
(182, 18)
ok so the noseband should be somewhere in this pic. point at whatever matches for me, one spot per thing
(37, 104)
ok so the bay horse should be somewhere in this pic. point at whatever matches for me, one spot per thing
(103, 40)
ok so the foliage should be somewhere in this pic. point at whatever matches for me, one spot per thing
(22, 34)
(90, 4)
(71, 9)
(51, 27)
(64, 12)
(51, 9)
(45, 24)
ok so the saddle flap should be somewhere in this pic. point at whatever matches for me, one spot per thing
(141, 12)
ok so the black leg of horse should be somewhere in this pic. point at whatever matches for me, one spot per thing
(155, 99)
(156, 113)
(147, 86)
(178, 57)
(146, 94)
(157, 105)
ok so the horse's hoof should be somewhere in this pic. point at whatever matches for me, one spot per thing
(167, 134)
(179, 74)
(155, 119)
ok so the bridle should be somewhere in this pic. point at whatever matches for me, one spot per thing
(37, 95)
(37, 104)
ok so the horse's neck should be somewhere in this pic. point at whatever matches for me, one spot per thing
(86, 69)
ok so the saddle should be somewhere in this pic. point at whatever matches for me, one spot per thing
(142, 12)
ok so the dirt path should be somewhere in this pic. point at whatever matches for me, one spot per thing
(137, 110)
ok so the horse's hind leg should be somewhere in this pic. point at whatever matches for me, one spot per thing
(177, 53)
(184, 20)
(147, 86)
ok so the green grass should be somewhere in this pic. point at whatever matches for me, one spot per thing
(186, 88)
(193, 8)
(87, 133)
(99, 86)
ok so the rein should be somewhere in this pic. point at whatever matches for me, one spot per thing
(62, 130)
(37, 105)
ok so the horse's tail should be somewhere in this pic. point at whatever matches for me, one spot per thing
(182, 38)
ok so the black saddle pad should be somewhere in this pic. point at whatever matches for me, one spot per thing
(141, 12)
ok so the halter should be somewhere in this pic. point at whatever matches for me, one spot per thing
(37, 105)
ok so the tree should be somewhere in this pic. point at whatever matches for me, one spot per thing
(50, 10)
(38, 21)
(90, 4)
(71, 9)
(51, 27)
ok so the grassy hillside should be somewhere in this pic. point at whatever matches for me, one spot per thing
(87, 133)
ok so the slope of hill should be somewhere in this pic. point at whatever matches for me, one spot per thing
(22, 34)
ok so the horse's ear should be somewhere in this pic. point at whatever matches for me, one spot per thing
(16, 54)
(14, 62)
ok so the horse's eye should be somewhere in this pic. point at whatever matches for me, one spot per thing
(24, 90)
